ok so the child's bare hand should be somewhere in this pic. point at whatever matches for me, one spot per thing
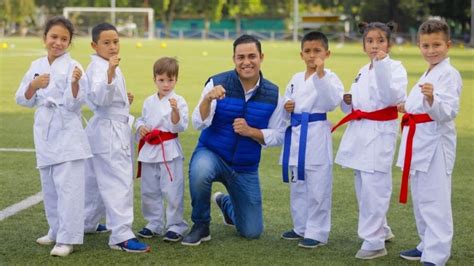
(319, 63)
(401, 108)
(130, 97)
(173, 104)
(347, 98)
(76, 75)
(380, 55)
(114, 62)
(427, 90)
(217, 93)
(143, 130)
(289, 106)
(241, 127)
(40, 81)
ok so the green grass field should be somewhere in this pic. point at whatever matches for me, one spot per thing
(198, 60)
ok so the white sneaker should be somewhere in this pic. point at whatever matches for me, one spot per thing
(45, 241)
(61, 250)
(370, 254)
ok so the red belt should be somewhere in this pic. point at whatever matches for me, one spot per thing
(410, 120)
(386, 114)
(156, 137)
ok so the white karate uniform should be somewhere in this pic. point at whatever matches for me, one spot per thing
(156, 183)
(368, 146)
(310, 199)
(109, 173)
(434, 151)
(61, 145)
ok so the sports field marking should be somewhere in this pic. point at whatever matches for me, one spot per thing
(16, 150)
(18, 207)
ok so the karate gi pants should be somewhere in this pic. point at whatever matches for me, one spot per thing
(63, 196)
(310, 202)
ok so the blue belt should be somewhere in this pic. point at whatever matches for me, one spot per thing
(298, 119)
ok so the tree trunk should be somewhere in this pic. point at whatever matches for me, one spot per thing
(471, 43)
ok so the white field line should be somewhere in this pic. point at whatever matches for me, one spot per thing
(16, 150)
(24, 204)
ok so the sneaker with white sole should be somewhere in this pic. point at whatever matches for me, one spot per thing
(132, 245)
(291, 235)
(45, 241)
(199, 233)
(370, 254)
(61, 250)
(309, 243)
(171, 236)
(217, 198)
(412, 254)
(147, 233)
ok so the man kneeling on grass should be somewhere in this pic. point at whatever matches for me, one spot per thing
(238, 112)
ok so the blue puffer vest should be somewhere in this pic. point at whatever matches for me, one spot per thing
(240, 153)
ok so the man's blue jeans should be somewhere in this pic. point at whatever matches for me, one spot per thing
(244, 202)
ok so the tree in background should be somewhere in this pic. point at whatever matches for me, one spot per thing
(243, 8)
(16, 15)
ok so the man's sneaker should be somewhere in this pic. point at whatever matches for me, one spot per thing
(291, 235)
(45, 241)
(370, 254)
(425, 263)
(217, 197)
(412, 254)
(198, 233)
(309, 243)
(61, 250)
(146, 233)
(171, 236)
(132, 245)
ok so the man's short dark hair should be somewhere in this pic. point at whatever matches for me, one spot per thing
(100, 28)
(315, 36)
(248, 39)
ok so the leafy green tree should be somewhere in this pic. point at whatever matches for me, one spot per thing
(16, 12)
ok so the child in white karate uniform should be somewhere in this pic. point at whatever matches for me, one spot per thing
(54, 84)
(109, 174)
(164, 115)
(368, 144)
(307, 148)
(431, 107)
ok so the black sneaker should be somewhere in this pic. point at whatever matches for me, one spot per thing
(217, 197)
(198, 233)
(171, 236)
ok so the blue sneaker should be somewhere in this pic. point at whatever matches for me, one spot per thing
(146, 233)
(291, 235)
(101, 228)
(428, 263)
(132, 245)
(217, 197)
(171, 236)
(198, 233)
(412, 254)
(309, 243)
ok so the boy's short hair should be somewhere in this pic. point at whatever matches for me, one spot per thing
(248, 39)
(166, 65)
(99, 28)
(434, 26)
(315, 36)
